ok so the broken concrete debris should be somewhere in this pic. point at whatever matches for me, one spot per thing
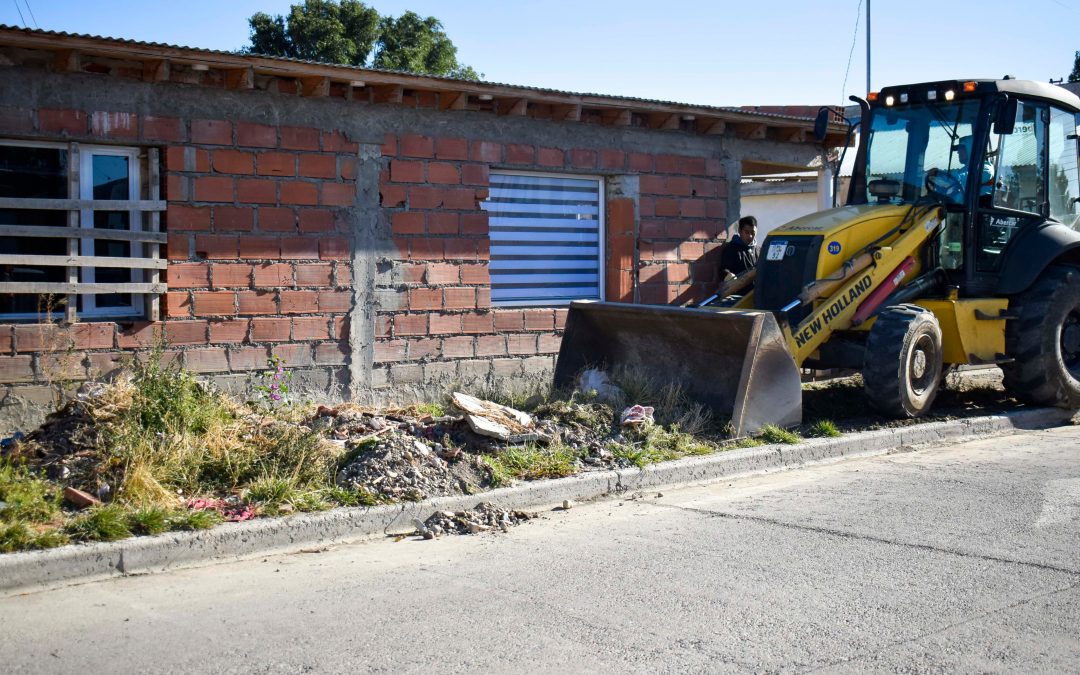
(494, 420)
(484, 517)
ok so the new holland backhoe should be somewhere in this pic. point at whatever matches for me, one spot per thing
(959, 244)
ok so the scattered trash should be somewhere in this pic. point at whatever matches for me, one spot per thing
(636, 415)
(230, 508)
(597, 381)
(80, 499)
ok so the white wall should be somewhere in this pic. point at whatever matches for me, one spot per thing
(774, 210)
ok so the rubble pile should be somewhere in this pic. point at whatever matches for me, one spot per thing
(484, 517)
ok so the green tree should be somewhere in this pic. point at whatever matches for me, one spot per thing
(350, 32)
(1074, 76)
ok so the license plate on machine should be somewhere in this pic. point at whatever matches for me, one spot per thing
(776, 250)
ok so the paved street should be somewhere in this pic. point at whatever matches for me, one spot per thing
(964, 557)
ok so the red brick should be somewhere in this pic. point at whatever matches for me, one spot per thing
(425, 298)
(459, 249)
(176, 187)
(695, 166)
(391, 196)
(119, 125)
(276, 219)
(213, 189)
(232, 161)
(389, 146)
(253, 191)
(509, 320)
(260, 248)
(299, 302)
(491, 345)
(338, 194)
(550, 157)
(211, 132)
(90, 336)
(413, 145)
(16, 369)
(539, 319)
(335, 141)
(520, 154)
(442, 173)
(299, 248)
(716, 208)
(424, 348)
(442, 324)
(177, 303)
(61, 121)
(459, 298)
(215, 303)
(335, 301)
(560, 319)
(316, 220)
(548, 343)
(229, 330)
(41, 337)
(474, 223)
(583, 159)
(102, 365)
(451, 148)
(183, 217)
(186, 332)
(176, 158)
(270, 275)
(257, 302)
(638, 161)
(275, 164)
(270, 330)
(256, 135)
(440, 273)
(310, 328)
(333, 248)
(485, 151)
(316, 274)
(332, 353)
(16, 120)
(234, 218)
(458, 347)
(341, 327)
(476, 323)
(249, 358)
(390, 351)
(427, 249)
(188, 275)
(483, 298)
(425, 197)
(318, 166)
(475, 274)
(216, 246)
(407, 222)
(299, 194)
(137, 334)
(612, 159)
(406, 172)
(299, 138)
(521, 343)
(295, 356)
(231, 276)
(475, 174)
(667, 163)
(211, 360)
(411, 324)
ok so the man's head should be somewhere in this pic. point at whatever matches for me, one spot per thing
(748, 229)
(963, 149)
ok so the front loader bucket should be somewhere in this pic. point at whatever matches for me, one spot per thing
(735, 362)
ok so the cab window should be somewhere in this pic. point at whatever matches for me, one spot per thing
(1064, 179)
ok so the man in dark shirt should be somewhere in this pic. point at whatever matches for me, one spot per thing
(739, 254)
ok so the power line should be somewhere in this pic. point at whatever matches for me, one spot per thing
(32, 17)
(851, 52)
(19, 10)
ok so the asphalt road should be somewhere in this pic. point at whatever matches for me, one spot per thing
(957, 558)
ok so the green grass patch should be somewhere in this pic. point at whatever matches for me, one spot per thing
(27, 499)
(101, 523)
(823, 429)
(150, 520)
(773, 434)
(195, 520)
(653, 443)
(531, 463)
(353, 497)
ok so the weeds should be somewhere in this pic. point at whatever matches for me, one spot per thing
(150, 520)
(195, 520)
(101, 523)
(652, 443)
(823, 429)
(674, 408)
(773, 434)
(19, 536)
(26, 499)
(531, 462)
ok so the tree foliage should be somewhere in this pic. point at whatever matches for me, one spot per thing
(1074, 76)
(350, 32)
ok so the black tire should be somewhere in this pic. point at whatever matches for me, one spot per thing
(902, 366)
(1044, 341)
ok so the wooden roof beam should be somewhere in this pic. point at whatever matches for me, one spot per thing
(664, 121)
(622, 118)
(155, 70)
(315, 87)
(453, 100)
(566, 113)
(66, 61)
(240, 78)
(513, 107)
(789, 134)
(752, 131)
(710, 126)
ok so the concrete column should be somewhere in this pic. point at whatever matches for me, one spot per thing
(620, 265)
(364, 219)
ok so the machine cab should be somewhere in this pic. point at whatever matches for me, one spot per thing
(1000, 155)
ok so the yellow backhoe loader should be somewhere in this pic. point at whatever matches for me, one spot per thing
(959, 244)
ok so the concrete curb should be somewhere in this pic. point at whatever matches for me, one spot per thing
(232, 541)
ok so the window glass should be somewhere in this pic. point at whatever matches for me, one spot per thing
(31, 173)
(1021, 161)
(111, 180)
(545, 238)
(1064, 179)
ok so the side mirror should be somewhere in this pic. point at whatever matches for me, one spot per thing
(821, 124)
(1005, 119)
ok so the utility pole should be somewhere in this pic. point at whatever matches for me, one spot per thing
(868, 90)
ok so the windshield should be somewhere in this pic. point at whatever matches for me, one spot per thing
(906, 142)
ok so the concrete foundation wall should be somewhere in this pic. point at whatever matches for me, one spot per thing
(347, 238)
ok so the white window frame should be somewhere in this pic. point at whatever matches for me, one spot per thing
(86, 220)
(601, 255)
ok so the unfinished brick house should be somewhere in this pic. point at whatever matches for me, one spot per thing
(388, 235)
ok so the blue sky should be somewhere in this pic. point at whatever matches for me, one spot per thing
(718, 53)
